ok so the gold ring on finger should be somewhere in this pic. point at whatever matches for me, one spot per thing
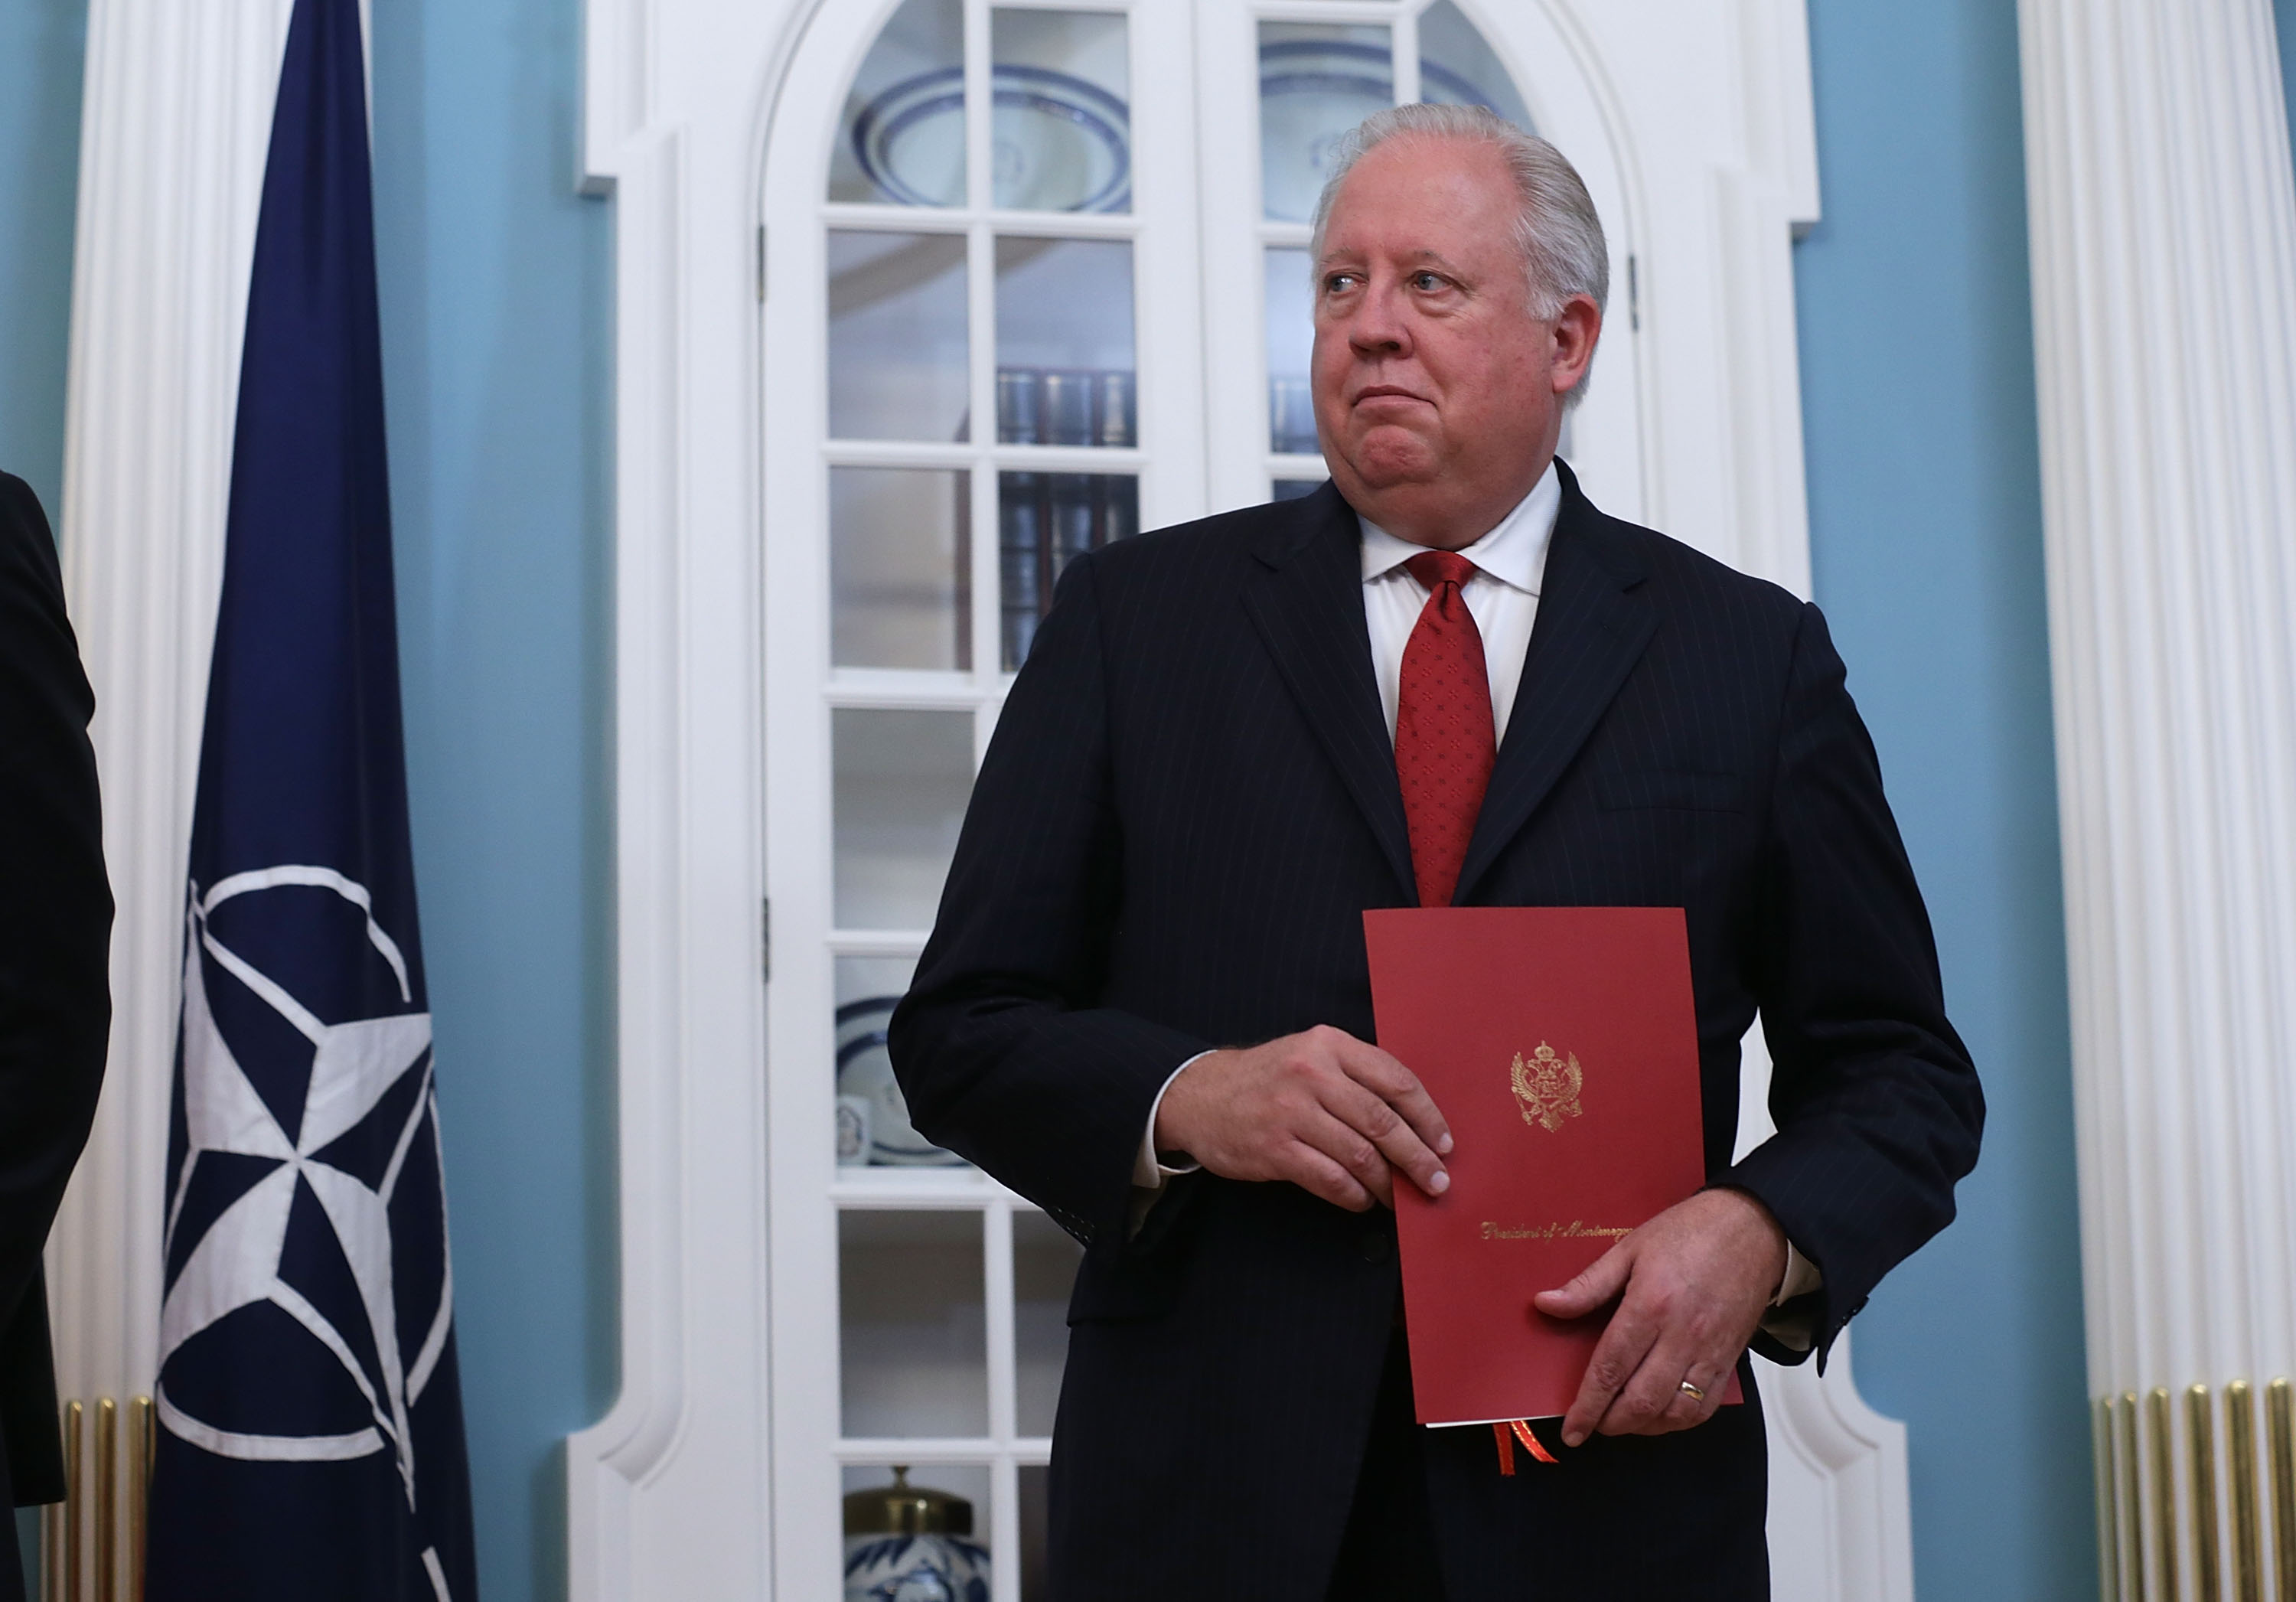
(1692, 1392)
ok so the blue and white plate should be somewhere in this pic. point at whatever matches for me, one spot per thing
(1060, 143)
(864, 1069)
(1312, 93)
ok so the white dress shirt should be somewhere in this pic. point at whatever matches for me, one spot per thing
(1503, 597)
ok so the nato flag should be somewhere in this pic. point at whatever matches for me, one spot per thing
(311, 1432)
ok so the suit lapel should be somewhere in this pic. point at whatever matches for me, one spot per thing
(1306, 602)
(1592, 629)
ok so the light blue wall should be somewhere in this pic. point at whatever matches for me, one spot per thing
(496, 309)
(41, 42)
(497, 316)
(1917, 400)
(2283, 14)
(496, 283)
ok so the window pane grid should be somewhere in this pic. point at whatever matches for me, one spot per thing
(868, 216)
(1015, 458)
(1006, 463)
(1060, 277)
(981, 453)
(1001, 1450)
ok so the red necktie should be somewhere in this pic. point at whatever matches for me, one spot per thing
(1444, 734)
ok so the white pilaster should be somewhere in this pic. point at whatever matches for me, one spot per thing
(176, 118)
(174, 121)
(2163, 238)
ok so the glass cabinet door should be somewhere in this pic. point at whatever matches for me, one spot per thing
(1054, 289)
(1303, 77)
(1002, 280)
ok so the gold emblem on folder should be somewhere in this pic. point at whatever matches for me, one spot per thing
(1546, 1087)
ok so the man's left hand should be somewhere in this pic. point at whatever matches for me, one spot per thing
(1695, 1282)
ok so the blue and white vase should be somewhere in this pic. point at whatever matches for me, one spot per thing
(910, 1543)
(914, 1568)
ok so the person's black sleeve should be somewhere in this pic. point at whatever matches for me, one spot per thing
(1002, 1050)
(1876, 1099)
(55, 904)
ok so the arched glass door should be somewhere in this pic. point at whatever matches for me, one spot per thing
(1063, 297)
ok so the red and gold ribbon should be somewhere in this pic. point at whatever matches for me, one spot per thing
(1514, 1430)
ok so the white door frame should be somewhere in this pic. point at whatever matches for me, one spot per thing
(1707, 104)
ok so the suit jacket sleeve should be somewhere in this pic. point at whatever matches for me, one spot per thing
(55, 905)
(1876, 1102)
(1001, 1046)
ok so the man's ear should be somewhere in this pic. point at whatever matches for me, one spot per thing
(1577, 326)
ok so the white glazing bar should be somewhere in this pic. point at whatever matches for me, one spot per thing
(1005, 1490)
(1070, 458)
(941, 1191)
(1371, 13)
(1067, 224)
(859, 453)
(980, 320)
(876, 942)
(918, 1452)
(921, 1189)
(869, 216)
(979, 109)
(982, 553)
(894, 687)
(957, 455)
(1407, 55)
(1004, 1545)
(1020, 459)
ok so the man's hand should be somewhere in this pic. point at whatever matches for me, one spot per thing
(1696, 1280)
(1331, 1114)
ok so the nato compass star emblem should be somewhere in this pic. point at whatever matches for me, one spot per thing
(306, 1216)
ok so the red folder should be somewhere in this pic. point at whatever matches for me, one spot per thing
(1561, 1044)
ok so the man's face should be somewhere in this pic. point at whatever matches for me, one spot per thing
(1438, 396)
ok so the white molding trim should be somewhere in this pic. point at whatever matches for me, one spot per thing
(671, 1494)
(2163, 240)
(1838, 1499)
(176, 122)
(1840, 1503)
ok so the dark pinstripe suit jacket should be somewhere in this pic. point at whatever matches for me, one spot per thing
(1190, 801)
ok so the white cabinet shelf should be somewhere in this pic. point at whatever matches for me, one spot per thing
(896, 1188)
(1026, 1451)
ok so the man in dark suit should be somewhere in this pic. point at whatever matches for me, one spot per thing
(1444, 678)
(55, 997)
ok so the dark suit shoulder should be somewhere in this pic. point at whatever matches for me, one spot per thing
(1683, 573)
(1147, 588)
(1715, 626)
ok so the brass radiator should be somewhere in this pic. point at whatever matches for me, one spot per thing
(2163, 1537)
(92, 1542)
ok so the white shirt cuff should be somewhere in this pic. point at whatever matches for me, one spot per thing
(1802, 1278)
(1799, 1328)
(1148, 1173)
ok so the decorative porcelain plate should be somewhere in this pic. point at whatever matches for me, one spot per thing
(1060, 143)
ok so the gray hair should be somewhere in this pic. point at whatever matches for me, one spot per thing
(1556, 229)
